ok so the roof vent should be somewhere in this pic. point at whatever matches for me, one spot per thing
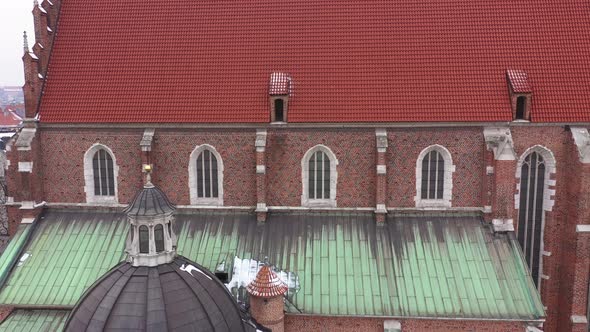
(279, 90)
(520, 91)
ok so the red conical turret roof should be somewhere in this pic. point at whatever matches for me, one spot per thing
(267, 284)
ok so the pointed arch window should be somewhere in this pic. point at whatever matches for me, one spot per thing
(433, 173)
(100, 174)
(534, 169)
(104, 178)
(434, 177)
(206, 176)
(319, 175)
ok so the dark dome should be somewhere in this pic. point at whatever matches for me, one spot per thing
(150, 201)
(180, 295)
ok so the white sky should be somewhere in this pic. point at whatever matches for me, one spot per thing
(15, 17)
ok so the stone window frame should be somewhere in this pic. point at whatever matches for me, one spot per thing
(444, 202)
(305, 200)
(89, 175)
(548, 193)
(192, 177)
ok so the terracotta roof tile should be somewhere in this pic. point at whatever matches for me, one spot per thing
(280, 84)
(519, 82)
(267, 284)
(351, 61)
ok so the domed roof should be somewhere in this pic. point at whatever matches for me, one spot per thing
(180, 295)
(150, 201)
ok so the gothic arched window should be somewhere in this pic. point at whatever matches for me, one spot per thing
(434, 177)
(103, 170)
(319, 177)
(433, 174)
(100, 175)
(531, 215)
(206, 176)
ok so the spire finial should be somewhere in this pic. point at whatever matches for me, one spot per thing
(25, 42)
(148, 176)
(36, 3)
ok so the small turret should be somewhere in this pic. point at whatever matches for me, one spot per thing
(266, 299)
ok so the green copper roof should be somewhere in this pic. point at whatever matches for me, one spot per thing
(339, 263)
(34, 320)
(67, 253)
(10, 254)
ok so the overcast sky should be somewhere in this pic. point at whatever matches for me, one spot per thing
(15, 17)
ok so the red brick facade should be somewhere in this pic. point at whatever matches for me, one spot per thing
(60, 166)
(294, 323)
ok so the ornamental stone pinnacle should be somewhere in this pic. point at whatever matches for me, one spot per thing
(25, 42)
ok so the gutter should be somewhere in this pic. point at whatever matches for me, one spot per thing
(536, 321)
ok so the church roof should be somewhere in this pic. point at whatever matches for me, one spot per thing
(349, 61)
(178, 296)
(333, 263)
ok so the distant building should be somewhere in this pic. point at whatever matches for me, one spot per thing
(11, 95)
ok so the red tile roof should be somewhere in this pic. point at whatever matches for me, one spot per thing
(9, 119)
(280, 84)
(350, 61)
(267, 284)
(519, 81)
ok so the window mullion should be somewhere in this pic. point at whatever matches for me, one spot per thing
(322, 181)
(526, 219)
(100, 173)
(108, 175)
(436, 179)
(203, 171)
(428, 192)
(210, 175)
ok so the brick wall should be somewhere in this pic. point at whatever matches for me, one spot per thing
(466, 146)
(295, 323)
(559, 142)
(171, 152)
(62, 161)
(354, 149)
(62, 152)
